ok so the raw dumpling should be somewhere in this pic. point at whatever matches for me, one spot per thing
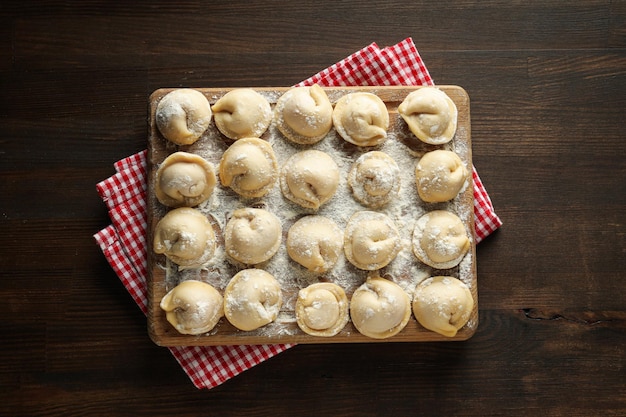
(252, 299)
(371, 240)
(193, 307)
(183, 115)
(184, 179)
(252, 235)
(304, 114)
(322, 309)
(442, 304)
(186, 237)
(374, 179)
(315, 242)
(309, 178)
(242, 113)
(440, 239)
(361, 119)
(380, 308)
(440, 175)
(430, 114)
(249, 167)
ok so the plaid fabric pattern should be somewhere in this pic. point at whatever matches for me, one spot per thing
(486, 221)
(124, 245)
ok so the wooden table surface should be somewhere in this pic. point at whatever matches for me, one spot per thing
(547, 82)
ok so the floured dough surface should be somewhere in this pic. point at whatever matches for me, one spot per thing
(310, 178)
(193, 307)
(186, 237)
(249, 167)
(252, 299)
(440, 239)
(430, 114)
(304, 114)
(252, 235)
(440, 175)
(242, 113)
(374, 179)
(315, 242)
(371, 241)
(443, 304)
(380, 308)
(322, 309)
(184, 180)
(183, 115)
(361, 119)
(327, 212)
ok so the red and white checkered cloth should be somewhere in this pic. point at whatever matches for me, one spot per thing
(124, 241)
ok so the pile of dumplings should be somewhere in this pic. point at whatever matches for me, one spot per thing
(308, 179)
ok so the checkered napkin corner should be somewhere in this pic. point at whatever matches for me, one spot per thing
(124, 241)
(486, 221)
(399, 64)
(124, 246)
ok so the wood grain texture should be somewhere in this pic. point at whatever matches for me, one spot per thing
(548, 88)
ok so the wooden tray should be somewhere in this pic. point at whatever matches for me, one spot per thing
(407, 271)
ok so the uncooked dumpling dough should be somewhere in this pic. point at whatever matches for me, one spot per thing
(430, 114)
(193, 307)
(440, 175)
(322, 309)
(309, 178)
(371, 240)
(252, 235)
(249, 167)
(252, 299)
(304, 114)
(442, 304)
(440, 239)
(380, 308)
(184, 179)
(374, 179)
(361, 119)
(183, 115)
(186, 237)
(315, 242)
(242, 113)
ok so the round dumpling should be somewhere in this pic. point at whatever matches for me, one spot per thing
(380, 308)
(193, 307)
(249, 167)
(442, 304)
(430, 114)
(183, 115)
(304, 114)
(252, 235)
(252, 299)
(371, 240)
(184, 179)
(440, 239)
(315, 242)
(242, 113)
(440, 175)
(374, 179)
(322, 309)
(309, 178)
(361, 119)
(185, 236)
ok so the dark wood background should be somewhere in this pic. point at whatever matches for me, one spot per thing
(547, 80)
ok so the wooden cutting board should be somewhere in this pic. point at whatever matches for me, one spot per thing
(407, 271)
